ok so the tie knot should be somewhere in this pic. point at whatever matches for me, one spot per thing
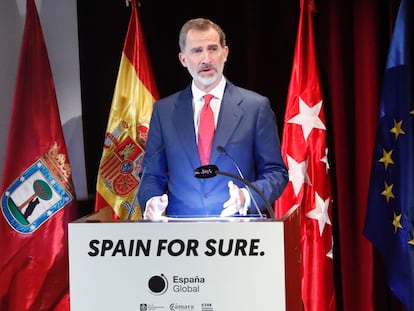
(208, 98)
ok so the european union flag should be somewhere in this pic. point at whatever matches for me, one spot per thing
(390, 214)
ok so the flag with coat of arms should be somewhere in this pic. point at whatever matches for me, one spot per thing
(37, 196)
(126, 133)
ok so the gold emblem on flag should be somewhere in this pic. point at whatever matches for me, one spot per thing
(119, 170)
(39, 192)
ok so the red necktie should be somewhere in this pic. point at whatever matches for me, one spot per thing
(205, 130)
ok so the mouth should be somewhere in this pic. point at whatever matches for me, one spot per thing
(206, 70)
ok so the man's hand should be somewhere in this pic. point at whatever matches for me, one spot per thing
(236, 201)
(155, 207)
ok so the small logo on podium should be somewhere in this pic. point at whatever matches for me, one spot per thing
(158, 284)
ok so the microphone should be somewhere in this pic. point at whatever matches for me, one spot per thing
(211, 170)
(131, 209)
(222, 150)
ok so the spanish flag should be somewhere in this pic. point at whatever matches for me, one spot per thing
(126, 133)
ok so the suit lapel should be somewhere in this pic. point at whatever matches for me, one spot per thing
(184, 126)
(229, 117)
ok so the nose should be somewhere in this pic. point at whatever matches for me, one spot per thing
(206, 57)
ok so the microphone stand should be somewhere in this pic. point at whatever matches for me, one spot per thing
(208, 171)
(249, 184)
(222, 150)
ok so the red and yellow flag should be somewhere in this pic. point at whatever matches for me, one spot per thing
(37, 195)
(126, 133)
(305, 152)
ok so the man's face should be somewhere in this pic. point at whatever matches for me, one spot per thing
(204, 57)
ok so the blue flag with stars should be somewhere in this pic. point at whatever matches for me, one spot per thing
(389, 223)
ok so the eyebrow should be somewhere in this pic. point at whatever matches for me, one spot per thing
(210, 46)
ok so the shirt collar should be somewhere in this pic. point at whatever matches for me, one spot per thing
(218, 91)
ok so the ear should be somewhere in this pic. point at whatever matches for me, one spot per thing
(181, 57)
(226, 52)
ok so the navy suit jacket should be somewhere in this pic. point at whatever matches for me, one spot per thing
(246, 129)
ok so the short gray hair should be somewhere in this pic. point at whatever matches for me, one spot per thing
(199, 24)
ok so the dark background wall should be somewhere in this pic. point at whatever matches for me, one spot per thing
(260, 34)
(352, 40)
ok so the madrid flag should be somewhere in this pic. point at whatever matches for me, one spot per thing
(37, 194)
(306, 154)
(126, 133)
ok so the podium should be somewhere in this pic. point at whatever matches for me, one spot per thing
(197, 264)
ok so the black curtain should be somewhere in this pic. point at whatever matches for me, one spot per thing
(261, 36)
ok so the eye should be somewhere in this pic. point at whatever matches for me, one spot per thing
(213, 48)
(196, 51)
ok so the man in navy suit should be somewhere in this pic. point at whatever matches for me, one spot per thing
(245, 137)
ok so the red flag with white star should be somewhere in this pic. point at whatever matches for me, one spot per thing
(306, 155)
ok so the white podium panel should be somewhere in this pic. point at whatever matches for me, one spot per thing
(200, 265)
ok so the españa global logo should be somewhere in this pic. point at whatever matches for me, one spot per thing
(37, 194)
(158, 284)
